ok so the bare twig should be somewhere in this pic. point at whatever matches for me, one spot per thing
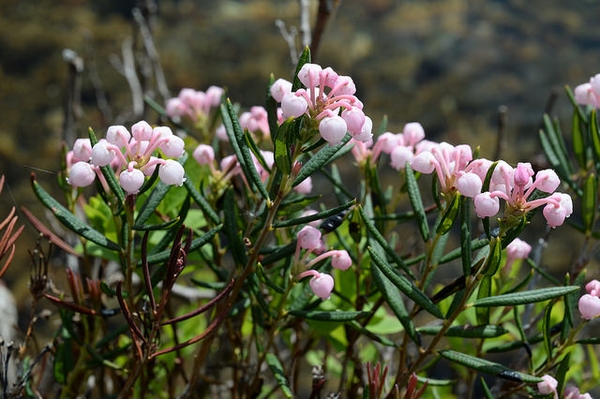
(305, 22)
(161, 82)
(92, 72)
(290, 38)
(73, 105)
(127, 69)
(326, 9)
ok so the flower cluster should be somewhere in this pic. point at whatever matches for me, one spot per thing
(516, 185)
(589, 304)
(309, 239)
(131, 155)
(329, 99)
(193, 104)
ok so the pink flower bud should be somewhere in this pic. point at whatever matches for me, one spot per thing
(387, 142)
(293, 105)
(365, 134)
(82, 174)
(517, 249)
(332, 129)
(345, 86)
(131, 180)
(469, 184)
(423, 162)
(413, 133)
(555, 214)
(341, 260)
(173, 146)
(548, 385)
(213, 95)
(328, 77)
(322, 285)
(82, 150)
(102, 154)
(305, 187)
(280, 88)
(142, 131)
(309, 238)
(118, 135)
(547, 180)
(522, 174)
(204, 154)
(175, 108)
(399, 156)
(309, 75)
(171, 172)
(584, 95)
(162, 132)
(593, 288)
(589, 306)
(486, 205)
(354, 118)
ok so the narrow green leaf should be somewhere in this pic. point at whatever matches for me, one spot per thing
(449, 216)
(376, 235)
(279, 373)
(303, 59)
(483, 331)
(576, 106)
(149, 206)
(579, 145)
(335, 316)
(486, 390)
(492, 263)
(485, 290)
(414, 195)
(271, 107)
(324, 156)
(201, 201)
(375, 337)
(520, 298)
(316, 216)
(160, 226)
(394, 300)
(240, 148)
(465, 234)
(262, 275)
(281, 152)
(456, 253)
(546, 326)
(404, 285)
(488, 367)
(561, 372)
(70, 221)
(589, 203)
(232, 230)
(594, 131)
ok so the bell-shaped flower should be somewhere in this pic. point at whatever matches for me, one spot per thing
(82, 150)
(204, 154)
(131, 179)
(171, 172)
(332, 129)
(322, 285)
(309, 238)
(548, 385)
(82, 174)
(589, 306)
(340, 259)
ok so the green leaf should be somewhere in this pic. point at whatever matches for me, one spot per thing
(456, 253)
(450, 214)
(414, 195)
(486, 390)
(492, 263)
(488, 367)
(376, 235)
(546, 326)
(303, 59)
(395, 302)
(520, 298)
(324, 156)
(334, 316)
(201, 201)
(483, 331)
(232, 229)
(159, 226)
(70, 221)
(281, 152)
(561, 372)
(375, 337)
(316, 216)
(579, 146)
(240, 148)
(279, 373)
(149, 206)
(465, 234)
(594, 131)
(404, 285)
(589, 203)
(485, 290)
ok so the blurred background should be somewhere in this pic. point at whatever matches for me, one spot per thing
(449, 65)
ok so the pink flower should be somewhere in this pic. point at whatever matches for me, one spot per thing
(309, 238)
(341, 260)
(589, 93)
(593, 288)
(517, 249)
(82, 150)
(131, 179)
(548, 386)
(333, 129)
(589, 306)
(82, 174)
(204, 154)
(573, 393)
(171, 172)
